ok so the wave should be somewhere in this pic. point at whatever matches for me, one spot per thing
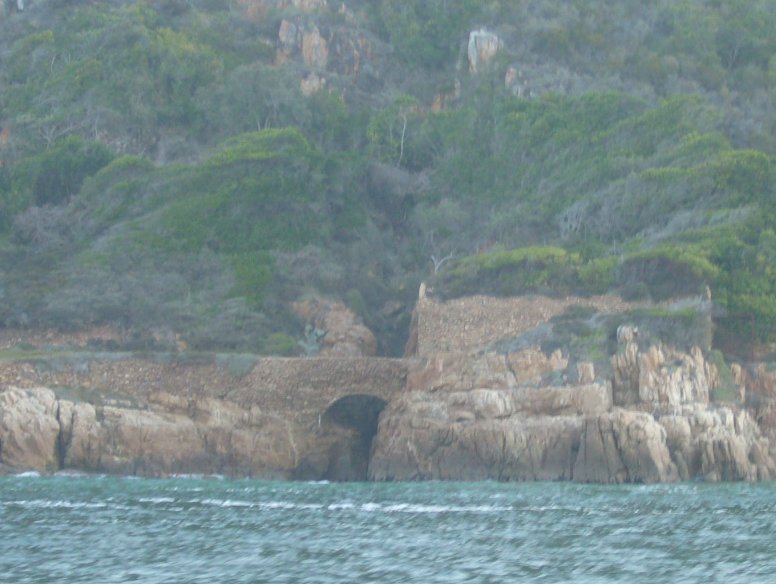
(61, 504)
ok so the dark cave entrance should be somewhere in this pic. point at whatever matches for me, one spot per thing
(354, 418)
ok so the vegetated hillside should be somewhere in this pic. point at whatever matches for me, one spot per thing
(195, 166)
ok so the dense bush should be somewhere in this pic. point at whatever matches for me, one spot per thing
(56, 174)
(160, 165)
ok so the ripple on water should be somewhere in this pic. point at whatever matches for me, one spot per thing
(204, 529)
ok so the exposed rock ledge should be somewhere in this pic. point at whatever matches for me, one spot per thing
(40, 432)
(644, 415)
(475, 417)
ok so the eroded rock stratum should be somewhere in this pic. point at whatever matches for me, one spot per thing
(505, 389)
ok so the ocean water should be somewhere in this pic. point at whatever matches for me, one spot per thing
(192, 530)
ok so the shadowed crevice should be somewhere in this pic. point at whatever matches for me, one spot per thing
(355, 417)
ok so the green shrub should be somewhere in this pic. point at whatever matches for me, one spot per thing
(597, 276)
(726, 391)
(280, 344)
(427, 32)
(668, 270)
(253, 271)
(55, 175)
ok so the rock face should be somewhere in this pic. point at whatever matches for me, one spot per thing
(661, 376)
(341, 54)
(308, 418)
(303, 38)
(29, 429)
(490, 416)
(342, 332)
(623, 446)
(483, 46)
(38, 431)
(512, 412)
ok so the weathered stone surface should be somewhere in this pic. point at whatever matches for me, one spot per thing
(470, 438)
(661, 376)
(624, 446)
(481, 416)
(344, 335)
(585, 372)
(29, 429)
(81, 436)
(483, 46)
(718, 444)
(467, 417)
(452, 371)
(303, 38)
(463, 325)
(532, 365)
(170, 434)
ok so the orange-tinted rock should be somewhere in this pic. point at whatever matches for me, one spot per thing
(344, 335)
(29, 429)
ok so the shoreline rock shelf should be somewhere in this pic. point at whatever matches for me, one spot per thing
(486, 426)
(535, 412)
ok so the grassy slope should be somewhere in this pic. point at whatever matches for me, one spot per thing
(631, 166)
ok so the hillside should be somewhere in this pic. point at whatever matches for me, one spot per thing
(186, 170)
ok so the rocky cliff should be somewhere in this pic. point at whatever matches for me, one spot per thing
(504, 391)
(226, 414)
(483, 416)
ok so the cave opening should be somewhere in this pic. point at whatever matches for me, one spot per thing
(355, 419)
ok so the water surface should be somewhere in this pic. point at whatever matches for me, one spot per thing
(93, 529)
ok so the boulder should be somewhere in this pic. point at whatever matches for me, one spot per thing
(343, 333)
(624, 446)
(29, 429)
(312, 83)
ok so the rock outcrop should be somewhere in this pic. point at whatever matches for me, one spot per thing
(483, 46)
(491, 416)
(269, 418)
(337, 55)
(661, 376)
(342, 333)
(29, 429)
(623, 446)
(168, 435)
(302, 38)
(505, 411)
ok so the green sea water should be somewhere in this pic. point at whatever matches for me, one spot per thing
(206, 530)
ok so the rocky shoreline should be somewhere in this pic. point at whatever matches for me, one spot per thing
(528, 404)
(474, 419)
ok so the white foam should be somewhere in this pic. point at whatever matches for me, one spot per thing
(62, 504)
(415, 508)
(156, 500)
(226, 503)
(340, 506)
